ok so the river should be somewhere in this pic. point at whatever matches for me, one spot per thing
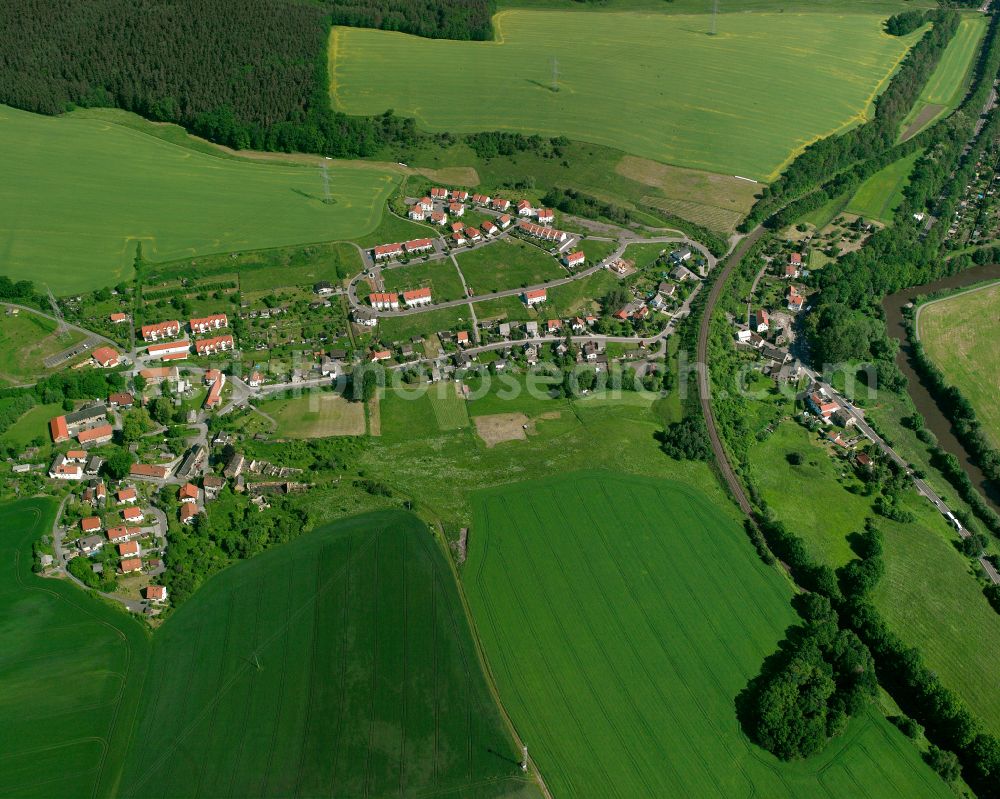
(934, 419)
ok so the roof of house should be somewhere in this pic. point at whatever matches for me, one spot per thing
(382, 297)
(131, 514)
(382, 249)
(169, 346)
(416, 244)
(105, 354)
(127, 494)
(188, 491)
(148, 470)
(535, 294)
(188, 509)
(122, 398)
(213, 343)
(95, 433)
(58, 428)
(131, 565)
(160, 327)
(208, 320)
(156, 592)
(128, 548)
(417, 294)
(90, 524)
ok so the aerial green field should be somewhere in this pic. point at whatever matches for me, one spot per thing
(440, 276)
(338, 665)
(508, 264)
(70, 673)
(78, 193)
(621, 617)
(961, 335)
(316, 414)
(954, 626)
(26, 340)
(880, 195)
(32, 424)
(655, 85)
(949, 81)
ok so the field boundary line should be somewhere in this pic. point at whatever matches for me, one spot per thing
(919, 308)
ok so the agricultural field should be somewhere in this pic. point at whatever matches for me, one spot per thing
(507, 264)
(341, 664)
(954, 626)
(961, 335)
(881, 194)
(80, 193)
(949, 82)
(316, 414)
(26, 340)
(742, 102)
(70, 675)
(440, 276)
(621, 617)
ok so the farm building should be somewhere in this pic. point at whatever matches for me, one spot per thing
(96, 435)
(145, 471)
(61, 469)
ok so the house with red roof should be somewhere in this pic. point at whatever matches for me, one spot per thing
(457, 227)
(207, 323)
(546, 216)
(214, 396)
(160, 330)
(481, 199)
(187, 512)
(439, 193)
(418, 245)
(575, 259)
(456, 209)
(91, 524)
(417, 297)
(121, 400)
(96, 435)
(500, 204)
(459, 195)
(489, 228)
(118, 318)
(170, 351)
(438, 218)
(534, 297)
(417, 213)
(822, 405)
(760, 321)
(383, 301)
(130, 565)
(129, 549)
(127, 496)
(58, 429)
(156, 593)
(380, 355)
(795, 300)
(473, 234)
(146, 471)
(121, 533)
(385, 251)
(133, 514)
(106, 357)
(504, 221)
(210, 346)
(462, 337)
(458, 239)
(188, 493)
(524, 208)
(553, 325)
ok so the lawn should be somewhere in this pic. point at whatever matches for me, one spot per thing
(621, 617)
(338, 665)
(70, 675)
(26, 340)
(404, 327)
(508, 264)
(961, 335)
(580, 296)
(952, 624)
(950, 79)
(741, 102)
(880, 195)
(441, 276)
(79, 193)
(316, 414)
(32, 424)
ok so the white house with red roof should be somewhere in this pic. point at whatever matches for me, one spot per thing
(383, 301)
(500, 204)
(456, 209)
(156, 593)
(426, 204)
(169, 350)
(119, 318)
(380, 355)
(120, 534)
(90, 524)
(822, 405)
(546, 216)
(438, 218)
(489, 228)
(459, 196)
(457, 227)
(206, 323)
(462, 338)
(795, 300)
(760, 322)
(473, 234)
(210, 346)
(188, 493)
(417, 213)
(130, 565)
(106, 357)
(133, 514)
(534, 297)
(439, 193)
(481, 199)
(129, 549)
(160, 330)
(127, 496)
(504, 221)
(524, 208)
(417, 297)
(458, 239)
(575, 259)
(384, 251)
(418, 245)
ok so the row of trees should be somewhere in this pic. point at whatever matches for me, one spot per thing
(435, 19)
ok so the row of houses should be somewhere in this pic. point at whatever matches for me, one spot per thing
(542, 232)
(384, 252)
(75, 465)
(179, 350)
(413, 298)
(172, 328)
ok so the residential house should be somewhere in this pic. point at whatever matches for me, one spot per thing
(795, 300)
(122, 400)
(439, 193)
(380, 355)
(418, 245)
(459, 196)
(188, 493)
(91, 524)
(499, 204)
(417, 297)
(426, 204)
(681, 255)
(504, 221)
(145, 471)
(682, 273)
(328, 367)
(323, 288)
(473, 234)
(130, 565)
(160, 330)
(61, 469)
(127, 496)
(544, 233)
(133, 515)
(121, 533)
(760, 321)
(553, 326)
(207, 323)
(822, 405)
(91, 544)
(256, 379)
(416, 213)
(172, 351)
(456, 209)
(458, 240)
(156, 593)
(575, 259)
(524, 208)
(129, 549)
(210, 346)
(158, 374)
(106, 357)
(212, 485)
(438, 218)
(364, 317)
(187, 512)
(489, 228)
(462, 338)
(481, 199)
(119, 318)
(531, 329)
(385, 251)
(214, 396)
(534, 297)
(546, 216)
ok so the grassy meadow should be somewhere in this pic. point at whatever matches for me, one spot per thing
(26, 340)
(79, 193)
(315, 414)
(339, 665)
(440, 276)
(741, 102)
(944, 90)
(880, 195)
(953, 624)
(621, 617)
(70, 673)
(508, 264)
(961, 335)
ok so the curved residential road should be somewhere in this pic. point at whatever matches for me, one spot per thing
(352, 290)
(721, 458)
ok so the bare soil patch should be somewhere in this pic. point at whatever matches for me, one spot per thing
(926, 115)
(374, 417)
(498, 427)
